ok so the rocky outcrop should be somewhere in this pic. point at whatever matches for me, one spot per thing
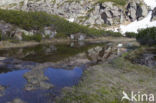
(78, 36)
(111, 14)
(153, 15)
(87, 12)
(11, 31)
(136, 10)
(49, 32)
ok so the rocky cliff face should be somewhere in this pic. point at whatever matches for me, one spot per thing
(153, 14)
(86, 12)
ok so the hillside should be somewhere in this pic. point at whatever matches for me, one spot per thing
(92, 13)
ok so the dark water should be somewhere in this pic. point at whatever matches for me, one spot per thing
(48, 52)
(15, 82)
(62, 78)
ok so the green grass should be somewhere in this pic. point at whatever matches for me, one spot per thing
(117, 2)
(38, 20)
(36, 37)
(130, 34)
(104, 82)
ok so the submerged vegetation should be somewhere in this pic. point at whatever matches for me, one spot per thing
(39, 20)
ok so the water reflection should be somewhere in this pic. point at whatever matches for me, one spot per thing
(15, 84)
(48, 52)
(61, 78)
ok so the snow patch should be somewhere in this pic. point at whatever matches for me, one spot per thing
(142, 24)
(150, 3)
(136, 25)
(71, 20)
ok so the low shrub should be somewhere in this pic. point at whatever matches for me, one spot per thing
(39, 20)
(130, 34)
(60, 35)
(147, 36)
(36, 37)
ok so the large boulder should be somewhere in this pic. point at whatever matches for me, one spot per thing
(10, 31)
(111, 14)
(78, 36)
(7, 30)
(49, 31)
(136, 10)
(153, 14)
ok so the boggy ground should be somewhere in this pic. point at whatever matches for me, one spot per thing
(105, 82)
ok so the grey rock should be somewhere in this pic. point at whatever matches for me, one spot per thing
(49, 31)
(78, 36)
(18, 35)
(136, 10)
(13, 32)
(153, 15)
(111, 14)
(95, 14)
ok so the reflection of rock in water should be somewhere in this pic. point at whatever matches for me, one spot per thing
(104, 53)
(36, 79)
(100, 53)
(77, 44)
(17, 100)
(2, 89)
(10, 64)
(50, 49)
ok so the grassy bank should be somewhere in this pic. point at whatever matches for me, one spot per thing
(104, 83)
(39, 20)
